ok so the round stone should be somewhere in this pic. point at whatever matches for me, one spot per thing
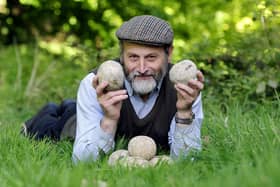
(182, 72)
(117, 156)
(142, 146)
(131, 161)
(160, 159)
(111, 72)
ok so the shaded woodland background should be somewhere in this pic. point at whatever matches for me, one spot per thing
(47, 46)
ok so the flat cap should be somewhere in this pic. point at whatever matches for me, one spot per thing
(146, 29)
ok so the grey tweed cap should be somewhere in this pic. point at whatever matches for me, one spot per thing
(146, 29)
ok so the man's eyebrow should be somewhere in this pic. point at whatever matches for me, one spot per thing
(131, 53)
(152, 54)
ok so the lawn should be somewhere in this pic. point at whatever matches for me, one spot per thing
(241, 143)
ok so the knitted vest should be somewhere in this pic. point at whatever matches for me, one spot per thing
(155, 124)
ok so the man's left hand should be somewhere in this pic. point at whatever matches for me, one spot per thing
(187, 94)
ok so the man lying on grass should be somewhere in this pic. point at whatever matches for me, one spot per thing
(148, 103)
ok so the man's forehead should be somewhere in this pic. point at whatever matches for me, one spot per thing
(130, 47)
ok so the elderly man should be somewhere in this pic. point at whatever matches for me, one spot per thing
(149, 104)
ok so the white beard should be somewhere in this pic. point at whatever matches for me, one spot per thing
(143, 87)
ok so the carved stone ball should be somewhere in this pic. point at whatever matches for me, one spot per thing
(182, 72)
(112, 72)
(131, 161)
(142, 146)
(117, 156)
(160, 159)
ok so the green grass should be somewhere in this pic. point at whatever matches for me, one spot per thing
(241, 144)
(240, 148)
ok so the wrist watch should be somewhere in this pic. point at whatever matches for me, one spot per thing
(185, 121)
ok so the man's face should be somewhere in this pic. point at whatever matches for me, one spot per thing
(144, 66)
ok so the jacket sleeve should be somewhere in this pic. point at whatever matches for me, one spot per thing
(90, 138)
(183, 138)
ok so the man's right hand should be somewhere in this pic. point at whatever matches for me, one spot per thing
(111, 103)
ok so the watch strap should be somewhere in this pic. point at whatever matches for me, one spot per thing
(185, 121)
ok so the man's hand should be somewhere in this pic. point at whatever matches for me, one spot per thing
(187, 94)
(111, 103)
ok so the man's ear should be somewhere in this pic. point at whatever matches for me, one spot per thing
(121, 59)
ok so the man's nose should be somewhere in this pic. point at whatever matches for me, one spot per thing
(142, 66)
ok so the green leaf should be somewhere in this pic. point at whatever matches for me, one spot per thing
(272, 83)
(260, 87)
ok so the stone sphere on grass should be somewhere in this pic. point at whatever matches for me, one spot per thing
(111, 72)
(142, 146)
(183, 72)
(117, 156)
(160, 159)
(131, 161)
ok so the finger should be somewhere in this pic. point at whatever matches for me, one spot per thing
(195, 84)
(95, 81)
(184, 90)
(200, 86)
(116, 93)
(200, 76)
(100, 88)
(184, 97)
(116, 100)
(181, 94)
(107, 96)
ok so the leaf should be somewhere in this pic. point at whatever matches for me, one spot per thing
(272, 83)
(260, 87)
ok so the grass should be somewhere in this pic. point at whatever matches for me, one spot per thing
(241, 147)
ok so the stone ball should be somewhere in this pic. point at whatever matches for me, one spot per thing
(112, 72)
(182, 72)
(142, 146)
(117, 156)
(131, 161)
(160, 159)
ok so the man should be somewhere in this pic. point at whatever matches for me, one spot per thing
(149, 104)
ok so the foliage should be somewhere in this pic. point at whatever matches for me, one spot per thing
(30, 76)
(227, 39)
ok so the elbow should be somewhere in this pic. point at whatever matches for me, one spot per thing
(81, 153)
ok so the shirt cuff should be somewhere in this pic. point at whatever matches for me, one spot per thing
(184, 129)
